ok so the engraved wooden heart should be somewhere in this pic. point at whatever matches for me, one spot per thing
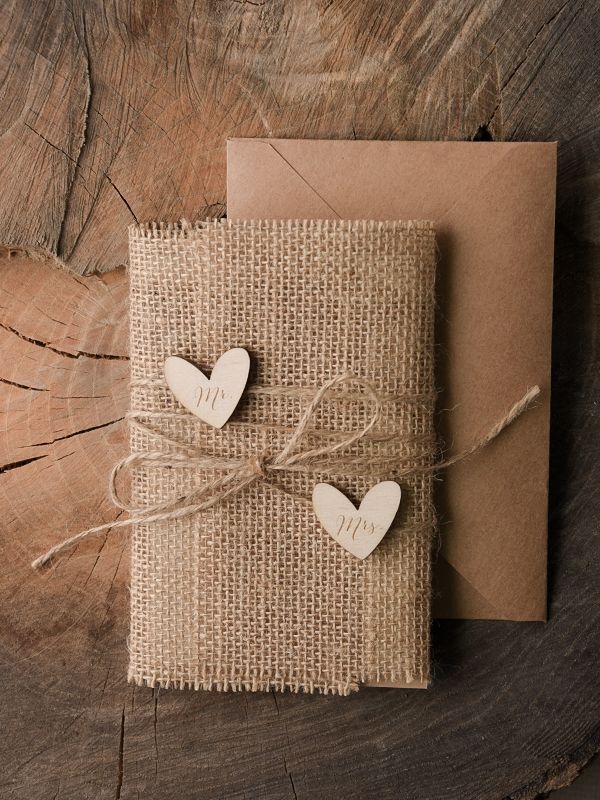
(359, 531)
(212, 399)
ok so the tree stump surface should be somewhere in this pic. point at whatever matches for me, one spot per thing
(116, 112)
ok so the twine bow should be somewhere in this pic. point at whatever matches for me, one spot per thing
(240, 473)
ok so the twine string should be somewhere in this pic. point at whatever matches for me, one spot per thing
(239, 473)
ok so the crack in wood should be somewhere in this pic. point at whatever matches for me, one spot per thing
(115, 187)
(247, 3)
(18, 464)
(120, 757)
(84, 47)
(482, 134)
(23, 385)
(289, 774)
(66, 353)
(75, 433)
(98, 554)
(51, 144)
(156, 694)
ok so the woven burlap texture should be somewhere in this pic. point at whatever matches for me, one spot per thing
(252, 593)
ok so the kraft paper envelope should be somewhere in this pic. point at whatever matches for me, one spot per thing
(493, 208)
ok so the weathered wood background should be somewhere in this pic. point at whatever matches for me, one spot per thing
(117, 111)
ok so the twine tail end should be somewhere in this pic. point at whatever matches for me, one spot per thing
(515, 412)
(44, 559)
(519, 408)
(41, 561)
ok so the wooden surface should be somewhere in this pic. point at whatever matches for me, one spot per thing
(118, 111)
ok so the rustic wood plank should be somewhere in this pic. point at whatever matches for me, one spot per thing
(115, 112)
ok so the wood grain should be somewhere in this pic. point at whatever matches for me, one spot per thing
(119, 111)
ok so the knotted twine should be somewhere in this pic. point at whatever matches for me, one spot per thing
(250, 593)
(238, 473)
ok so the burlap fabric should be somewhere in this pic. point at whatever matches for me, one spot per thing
(252, 593)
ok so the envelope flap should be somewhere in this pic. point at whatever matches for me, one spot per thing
(320, 178)
(456, 597)
(284, 179)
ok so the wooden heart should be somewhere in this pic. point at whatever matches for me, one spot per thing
(212, 399)
(359, 531)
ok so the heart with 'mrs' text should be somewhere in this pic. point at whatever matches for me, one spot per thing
(357, 530)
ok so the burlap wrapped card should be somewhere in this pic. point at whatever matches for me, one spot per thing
(252, 593)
